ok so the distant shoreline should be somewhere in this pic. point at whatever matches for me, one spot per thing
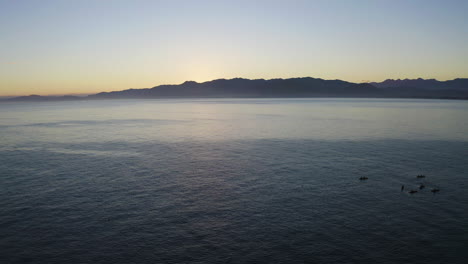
(48, 99)
(305, 87)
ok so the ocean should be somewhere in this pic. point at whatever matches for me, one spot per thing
(234, 181)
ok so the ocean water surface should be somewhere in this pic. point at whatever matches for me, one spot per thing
(234, 181)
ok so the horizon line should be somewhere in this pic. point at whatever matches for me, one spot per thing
(362, 81)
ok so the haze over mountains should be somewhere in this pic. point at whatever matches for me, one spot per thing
(284, 88)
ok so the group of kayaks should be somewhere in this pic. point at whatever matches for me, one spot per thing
(412, 191)
(421, 186)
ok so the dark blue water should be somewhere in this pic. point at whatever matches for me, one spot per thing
(234, 181)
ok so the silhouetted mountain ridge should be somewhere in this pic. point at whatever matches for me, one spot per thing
(292, 87)
(428, 84)
(239, 87)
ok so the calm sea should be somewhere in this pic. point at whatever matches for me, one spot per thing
(234, 181)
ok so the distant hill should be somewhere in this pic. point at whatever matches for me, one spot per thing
(425, 88)
(294, 87)
(426, 84)
(34, 98)
(299, 87)
(283, 88)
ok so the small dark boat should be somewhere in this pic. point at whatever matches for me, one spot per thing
(421, 186)
(421, 176)
(434, 190)
(412, 191)
(363, 178)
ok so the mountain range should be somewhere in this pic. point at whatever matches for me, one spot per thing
(293, 87)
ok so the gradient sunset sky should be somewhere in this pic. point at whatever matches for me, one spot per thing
(88, 46)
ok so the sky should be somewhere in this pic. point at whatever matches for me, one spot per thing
(88, 46)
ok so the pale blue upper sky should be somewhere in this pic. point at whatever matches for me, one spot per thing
(86, 46)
